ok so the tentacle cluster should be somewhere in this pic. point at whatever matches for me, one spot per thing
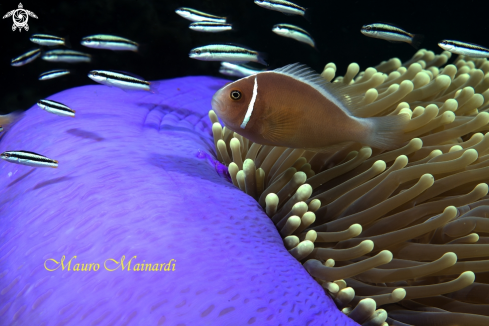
(407, 229)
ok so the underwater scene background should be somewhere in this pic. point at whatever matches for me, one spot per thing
(160, 213)
(166, 39)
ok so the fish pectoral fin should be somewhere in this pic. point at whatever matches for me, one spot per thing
(279, 126)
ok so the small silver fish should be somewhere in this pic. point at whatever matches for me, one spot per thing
(120, 80)
(225, 52)
(26, 58)
(29, 158)
(392, 34)
(56, 108)
(53, 74)
(231, 69)
(47, 40)
(468, 49)
(210, 27)
(109, 42)
(285, 7)
(66, 56)
(293, 32)
(198, 16)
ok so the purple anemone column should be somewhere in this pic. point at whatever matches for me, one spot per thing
(137, 179)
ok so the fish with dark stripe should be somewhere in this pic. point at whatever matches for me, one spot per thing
(285, 7)
(29, 158)
(210, 27)
(66, 56)
(198, 16)
(293, 32)
(226, 52)
(47, 40)
(468, 49)
(53, 74)
(26, 58)
(231, 69)
(392, 34)
(109, 42)
(120, 80)
(56, 108)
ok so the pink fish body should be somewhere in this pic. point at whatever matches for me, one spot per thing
(295, 107)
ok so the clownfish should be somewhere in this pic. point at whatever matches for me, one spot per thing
(295, 107)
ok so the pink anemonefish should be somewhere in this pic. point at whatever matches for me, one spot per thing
(295, 107)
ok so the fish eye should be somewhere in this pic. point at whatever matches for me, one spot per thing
(368, 27)
(197, 51)
(235, 95)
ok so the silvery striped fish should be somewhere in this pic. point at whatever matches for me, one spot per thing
(29, 158)
(293, 32)
(26, 58)
(53, 74)
(210, 27)
(109, 42)
(124, 81)
(198, 16)
(226, 52)
(392, 34)
(285, 7)
(47, 40)
(468, 49)
(56, 108)
(231, 69)
(69, 56)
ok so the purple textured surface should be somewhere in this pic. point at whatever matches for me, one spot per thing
(137, 177)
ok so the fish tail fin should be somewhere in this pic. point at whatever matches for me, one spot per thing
(262, 57)
(386, 132)
(67, 42)
(417, 39)
(153, 87)
(308, 15)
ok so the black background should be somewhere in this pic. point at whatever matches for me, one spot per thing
(166, 40)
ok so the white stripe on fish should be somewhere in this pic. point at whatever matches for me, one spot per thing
(251, 105)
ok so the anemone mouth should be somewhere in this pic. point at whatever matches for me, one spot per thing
(405, 229)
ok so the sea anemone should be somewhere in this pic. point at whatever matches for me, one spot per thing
(137, 177)
(406, 228)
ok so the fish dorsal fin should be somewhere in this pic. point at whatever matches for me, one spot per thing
(332, 91)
